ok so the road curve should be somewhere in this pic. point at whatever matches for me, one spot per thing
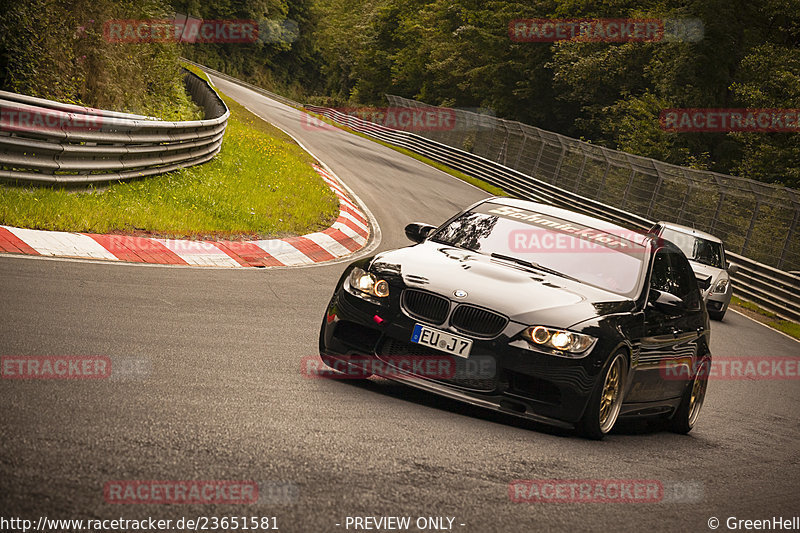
(222, 397)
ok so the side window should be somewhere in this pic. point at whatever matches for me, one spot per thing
(660, 277)
(673, 274)
(685, 283)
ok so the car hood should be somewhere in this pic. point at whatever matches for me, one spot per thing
(525, 295)
(705, 271)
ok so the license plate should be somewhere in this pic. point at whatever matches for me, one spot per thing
(441, 340)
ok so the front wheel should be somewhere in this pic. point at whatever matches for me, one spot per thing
(606, 399)
(686, 415)
(716, 315)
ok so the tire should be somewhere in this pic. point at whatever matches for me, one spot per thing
(606, 399)
(686, 415)
(716, 315)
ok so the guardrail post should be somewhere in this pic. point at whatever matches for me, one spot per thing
(789, 236)
(750, 229)
(580, 174)
(535, 169)
(603, 181)
(655, 194)
(685, 197)
(504, 147)
(521, 149)
(718, 210)
(557, 172)
(627, 188)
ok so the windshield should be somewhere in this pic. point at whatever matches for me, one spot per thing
(696, 248)
(602, 259)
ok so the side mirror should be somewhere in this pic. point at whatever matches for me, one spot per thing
(418, 232)
(667, 303)
(733, 268)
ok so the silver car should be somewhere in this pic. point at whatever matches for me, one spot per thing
(706, 254)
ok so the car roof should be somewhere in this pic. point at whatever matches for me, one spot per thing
(585, 220)
(690, 231)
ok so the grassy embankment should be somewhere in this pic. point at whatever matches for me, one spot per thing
(261, 184)
(765, 317)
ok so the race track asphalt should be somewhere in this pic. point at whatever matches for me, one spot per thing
(222, 397)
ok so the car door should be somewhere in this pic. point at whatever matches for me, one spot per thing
(689, 327)
(669, 336)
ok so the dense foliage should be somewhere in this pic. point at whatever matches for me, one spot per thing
(458, 53)
(284, 56)
(56, 49)
(455, 53)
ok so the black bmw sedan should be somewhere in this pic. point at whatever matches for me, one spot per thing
(530, 310)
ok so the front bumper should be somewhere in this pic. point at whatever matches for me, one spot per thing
(532, 385)
(719, 301)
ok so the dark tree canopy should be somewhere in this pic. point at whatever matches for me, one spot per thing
(448, 52)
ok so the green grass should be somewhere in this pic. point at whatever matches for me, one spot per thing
(771, 319)
(261, 185)
(198, 72)
(491, 189)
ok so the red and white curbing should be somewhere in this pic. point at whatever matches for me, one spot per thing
(348, 234)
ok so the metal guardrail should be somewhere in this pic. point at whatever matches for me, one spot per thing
(279, 98)
(126, 146)
(754, 219)
(772, 289)
(47, 142)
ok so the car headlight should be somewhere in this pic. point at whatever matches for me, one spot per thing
(722, 285)
(558, 339)
(366, 283)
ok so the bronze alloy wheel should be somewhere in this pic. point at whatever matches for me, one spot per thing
(611, 396)
(698, 395)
